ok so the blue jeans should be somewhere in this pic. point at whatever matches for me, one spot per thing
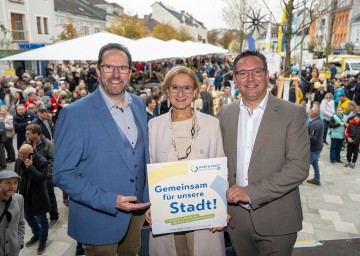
(314, 161)
(39, 226)
(335, 149)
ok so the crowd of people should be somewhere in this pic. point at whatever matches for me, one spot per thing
(109, 119)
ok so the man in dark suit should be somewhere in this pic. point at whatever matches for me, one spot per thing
(101, 151)
(33, 170)
(43, 120)
(266, 162)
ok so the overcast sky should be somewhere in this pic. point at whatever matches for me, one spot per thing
(206, 11)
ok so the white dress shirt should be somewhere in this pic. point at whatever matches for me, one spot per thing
(248, 127)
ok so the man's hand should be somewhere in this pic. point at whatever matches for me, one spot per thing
(125, 203)
(349, 140)
(237, 194)
(28, 162)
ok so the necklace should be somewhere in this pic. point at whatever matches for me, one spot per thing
(188, 150)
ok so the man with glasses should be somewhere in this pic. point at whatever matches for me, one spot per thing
(266, 162)
(100, 159)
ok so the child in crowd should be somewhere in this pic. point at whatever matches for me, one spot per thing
(352, 134)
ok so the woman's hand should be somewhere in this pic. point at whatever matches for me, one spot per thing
(228, 217)
(148, 217)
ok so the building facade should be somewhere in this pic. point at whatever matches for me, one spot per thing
(180, 20)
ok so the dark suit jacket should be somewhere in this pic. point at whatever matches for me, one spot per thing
(91, 165)
(33, 185)
(279, 163)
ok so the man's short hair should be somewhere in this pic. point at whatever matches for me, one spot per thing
(34, 128)
(149, 101)
(112, 46)
(250, 53)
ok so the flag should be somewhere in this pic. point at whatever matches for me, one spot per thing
(281, 38)
(251, 43)
(293, 29)
(268, 38)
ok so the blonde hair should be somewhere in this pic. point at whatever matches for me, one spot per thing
(176, 70)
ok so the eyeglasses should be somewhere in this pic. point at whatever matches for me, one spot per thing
(187, 89)
(256, 72)
(109, 69)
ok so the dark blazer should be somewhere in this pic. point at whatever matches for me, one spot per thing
(33, 185)
(44, 129)
(91, 166)
(279, 163)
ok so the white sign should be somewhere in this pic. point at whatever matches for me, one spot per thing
(188, 195)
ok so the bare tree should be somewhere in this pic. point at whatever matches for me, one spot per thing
(234, 14)
(315, 9)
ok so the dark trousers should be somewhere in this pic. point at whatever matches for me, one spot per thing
(9, 147)
(2, 156)
(326, 128)
(335, 149)
(39, 225)
(352, 150)
(54, 213)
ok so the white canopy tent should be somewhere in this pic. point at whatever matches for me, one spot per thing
(88, 47)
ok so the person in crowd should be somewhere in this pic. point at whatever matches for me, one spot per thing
(171, 133)
(327, 108)
(207, 101)
(75, 96)
(226, 98)
(45, 148)
(205, 80)
(10, 133)
(21, 120)
(9, 100)
(33, 170)
(338, 90)
(45, 99)
(61, 105)
(316, 131)
(320, 94)
(266, 162)
(333, 70)
(218, 81)
(54, 100)
(150, 106)
(44, 121)
(113, 198)
(165, 105)
(344, 102)
(3, 164)
(31, 100)
(295, 93)
(304, 104)
(352, 110)
(338, 124)
(352, 135)
(19, 99)
(30, 87)
(12, 224)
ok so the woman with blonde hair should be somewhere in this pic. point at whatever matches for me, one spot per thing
(184, 134)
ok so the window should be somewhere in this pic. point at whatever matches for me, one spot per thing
(46, 30)
(17, 25)
(38, 24)
(42, 25)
